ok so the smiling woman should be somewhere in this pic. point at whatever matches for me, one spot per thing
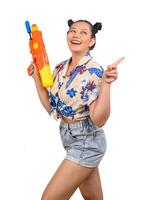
(80, 98)
(82, 33)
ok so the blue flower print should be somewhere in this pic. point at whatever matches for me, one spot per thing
(53, 100)
(61, 107)
(91, 86)
(71, 92)
(85, 98)
(96, 71)
(65, 110)
(68, 111)
(87, 89)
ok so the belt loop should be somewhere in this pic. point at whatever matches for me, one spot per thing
(68, 125)
(87, 121)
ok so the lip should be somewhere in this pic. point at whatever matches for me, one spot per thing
(75, 42)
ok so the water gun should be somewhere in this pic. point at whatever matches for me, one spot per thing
(39, 55)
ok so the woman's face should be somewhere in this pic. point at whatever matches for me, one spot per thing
(79, 37)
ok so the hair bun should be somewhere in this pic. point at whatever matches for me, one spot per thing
(97, 26)
(70, 22)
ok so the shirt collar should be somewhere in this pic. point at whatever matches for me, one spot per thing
(82, 61)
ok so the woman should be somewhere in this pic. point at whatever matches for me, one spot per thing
(80, 98)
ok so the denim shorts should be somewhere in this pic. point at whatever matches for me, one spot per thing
(84, 142)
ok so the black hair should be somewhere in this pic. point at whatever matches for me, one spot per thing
(94, 28)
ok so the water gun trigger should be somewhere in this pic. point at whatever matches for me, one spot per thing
(30, 70)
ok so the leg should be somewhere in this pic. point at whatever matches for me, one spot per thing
(91, 188)
(65, 181)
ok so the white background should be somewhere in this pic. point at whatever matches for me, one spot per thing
(30, 145)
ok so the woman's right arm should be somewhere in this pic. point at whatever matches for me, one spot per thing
(42, 92)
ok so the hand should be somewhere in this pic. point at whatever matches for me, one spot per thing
(32, 70)
(110, 74)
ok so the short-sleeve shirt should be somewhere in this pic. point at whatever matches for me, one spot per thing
(70, 96)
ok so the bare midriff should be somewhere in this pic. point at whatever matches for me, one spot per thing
(66, 120)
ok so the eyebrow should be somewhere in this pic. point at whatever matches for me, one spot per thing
(83, 29)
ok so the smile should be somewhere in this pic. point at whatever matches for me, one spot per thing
(75, 42)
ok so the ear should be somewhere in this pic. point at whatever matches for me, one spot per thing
(92, 42)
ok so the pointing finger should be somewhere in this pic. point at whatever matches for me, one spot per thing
(118, 61)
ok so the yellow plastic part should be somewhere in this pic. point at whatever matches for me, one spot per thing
(46, 77)
(35, 45)
(34, 27)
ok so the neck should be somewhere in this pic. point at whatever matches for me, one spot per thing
(76, 57)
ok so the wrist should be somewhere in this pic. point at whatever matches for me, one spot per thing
(105, 83)
(36, 77)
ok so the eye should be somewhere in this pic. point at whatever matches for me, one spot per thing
(83, 32)
(72, 31)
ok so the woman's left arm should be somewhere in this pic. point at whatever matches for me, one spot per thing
(100, 108)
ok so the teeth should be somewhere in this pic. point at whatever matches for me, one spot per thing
(75, 41)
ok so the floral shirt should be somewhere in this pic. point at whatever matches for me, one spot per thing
(70, 96)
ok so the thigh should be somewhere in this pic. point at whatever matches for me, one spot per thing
(65, 181)
(91, 188)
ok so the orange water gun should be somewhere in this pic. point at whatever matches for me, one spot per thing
(39, 55)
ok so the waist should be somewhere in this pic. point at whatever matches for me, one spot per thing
(77, 123)
(66, 120)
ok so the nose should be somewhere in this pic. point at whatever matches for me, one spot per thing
(77, 34)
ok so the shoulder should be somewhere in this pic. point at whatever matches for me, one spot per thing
(93, 68)
(58, 68)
